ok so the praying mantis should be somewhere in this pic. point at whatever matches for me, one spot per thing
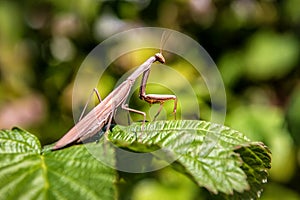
(103, 113)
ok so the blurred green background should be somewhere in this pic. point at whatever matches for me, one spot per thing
(255, 44)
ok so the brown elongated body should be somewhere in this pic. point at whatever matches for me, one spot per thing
(96, 118)
(102, 114)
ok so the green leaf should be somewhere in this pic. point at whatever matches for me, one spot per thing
(270, 129)
(257, 159)
(15, 142)
(71, 173)
(214, 156)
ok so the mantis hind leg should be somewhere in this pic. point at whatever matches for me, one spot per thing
(88, 101)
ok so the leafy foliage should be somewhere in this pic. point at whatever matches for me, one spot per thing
(28, 173)
(233, 163)
(220, 159)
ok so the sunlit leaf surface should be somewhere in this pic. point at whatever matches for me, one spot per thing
(72, 173)
(214, 156)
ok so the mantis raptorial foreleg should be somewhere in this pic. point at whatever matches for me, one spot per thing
(155, 98)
